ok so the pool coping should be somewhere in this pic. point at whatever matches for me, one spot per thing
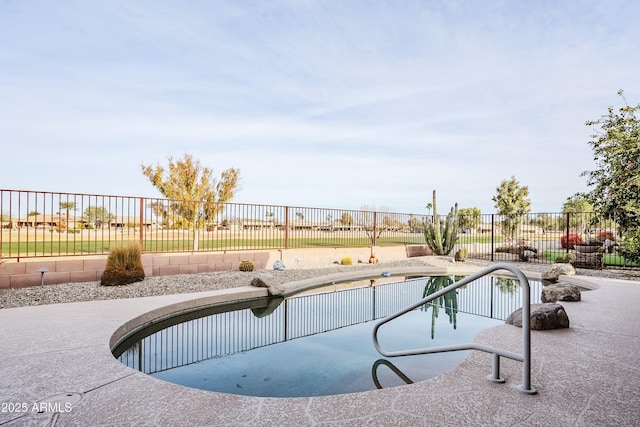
(585, 375)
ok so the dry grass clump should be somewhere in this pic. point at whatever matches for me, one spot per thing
(124, 265)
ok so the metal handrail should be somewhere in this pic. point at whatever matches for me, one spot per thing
(525, 357)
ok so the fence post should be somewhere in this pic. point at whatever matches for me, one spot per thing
(493, 229)
(141, 223)
(286, 227)
(566, 236)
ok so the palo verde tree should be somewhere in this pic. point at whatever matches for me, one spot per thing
(195, 195)
(470, 218)
(616, 152)
(512, 203)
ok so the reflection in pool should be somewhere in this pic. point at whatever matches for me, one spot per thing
(320, 343)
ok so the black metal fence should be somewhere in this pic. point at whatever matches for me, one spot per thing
(46, 224)
(230, 332)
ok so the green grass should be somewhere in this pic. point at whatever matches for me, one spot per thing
(84, 247)
(466, 239)
(617, 260)
(62, 247)
(611, 260)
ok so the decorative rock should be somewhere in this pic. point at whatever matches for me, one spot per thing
(543, 317)
(589, 260)
(556, 270)
(560, 292)
(278, 265)
(274, 290)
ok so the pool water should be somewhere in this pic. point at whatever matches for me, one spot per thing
(321, 343)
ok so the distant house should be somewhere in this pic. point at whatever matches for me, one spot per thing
(47, 221)
(486, 227)
(530, 229)
(119, 222)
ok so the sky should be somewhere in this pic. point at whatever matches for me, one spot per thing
(331, 104)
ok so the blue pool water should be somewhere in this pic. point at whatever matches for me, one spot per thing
(320, 343)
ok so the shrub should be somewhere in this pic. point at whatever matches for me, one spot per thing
(603, 235)
(570, 258)
(630, 248)
(124, 265)
(346, 260)
(246, 265)
(570, 240)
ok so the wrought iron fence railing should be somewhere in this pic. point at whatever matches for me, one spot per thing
(48, 224)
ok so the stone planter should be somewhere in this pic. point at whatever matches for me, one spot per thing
(586, 249)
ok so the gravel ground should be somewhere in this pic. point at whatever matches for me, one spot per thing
(186, 283)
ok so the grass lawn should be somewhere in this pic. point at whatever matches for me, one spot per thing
(611, 260)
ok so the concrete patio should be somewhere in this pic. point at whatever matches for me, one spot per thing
(59, 355)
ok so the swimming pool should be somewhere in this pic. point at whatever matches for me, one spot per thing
(319, 343)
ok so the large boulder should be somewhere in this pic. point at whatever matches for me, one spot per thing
(560, 292)
(543, 317)
(556, 270)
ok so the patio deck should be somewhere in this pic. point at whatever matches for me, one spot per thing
(588, 375)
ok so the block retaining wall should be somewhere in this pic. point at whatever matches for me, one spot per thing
(89, 269)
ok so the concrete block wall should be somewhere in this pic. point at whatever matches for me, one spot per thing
(89, 269)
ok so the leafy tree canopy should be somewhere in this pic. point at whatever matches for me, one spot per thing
(193, 187)
(577, 203)
(511, 198)
(512, 203)
(469, 218)
(616, 152)
(97, 216)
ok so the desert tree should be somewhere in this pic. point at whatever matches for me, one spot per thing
(66, 206)
(97, 216)
(469, 218)
(195, 196)
(512, 203)
(580, 210)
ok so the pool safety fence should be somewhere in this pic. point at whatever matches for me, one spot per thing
(237, 331)
(38, 224)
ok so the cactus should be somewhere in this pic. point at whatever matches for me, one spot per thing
(246, 265)
(461, 255)
(346, 261)
(448, 301)
(441, 236)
